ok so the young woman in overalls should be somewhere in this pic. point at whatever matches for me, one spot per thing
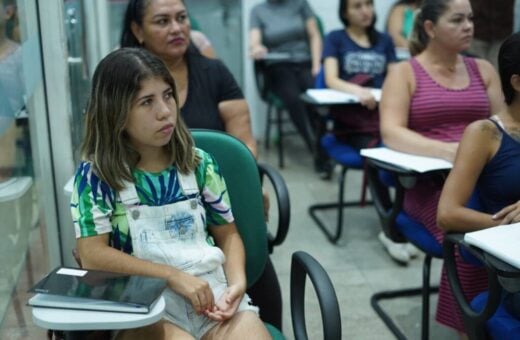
(147, 202)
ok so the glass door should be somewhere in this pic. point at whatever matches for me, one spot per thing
(26, 179)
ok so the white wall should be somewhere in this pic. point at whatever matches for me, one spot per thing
(327, 10)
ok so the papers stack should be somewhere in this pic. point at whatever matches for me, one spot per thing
(420, 164)
(502, 242)
(330, 96)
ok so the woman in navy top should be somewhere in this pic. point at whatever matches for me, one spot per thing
(488, 161)
(356, 58)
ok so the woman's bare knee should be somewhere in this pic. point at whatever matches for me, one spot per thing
(243, 325)
(162, 330)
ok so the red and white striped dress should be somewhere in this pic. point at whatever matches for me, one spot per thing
(442, 113)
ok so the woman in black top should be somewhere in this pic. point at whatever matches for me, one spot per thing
(209, 95)
(209, 98)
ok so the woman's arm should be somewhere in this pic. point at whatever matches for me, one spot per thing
(228, 239)
(333, 81)
(315, 43)
(395, 26)
(237, 121)
(203, 44)
(95, 253)
(479, 143)
(493, 87)
(394, 109)
(256, 49)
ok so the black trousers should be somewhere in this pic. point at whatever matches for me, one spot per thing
(288, 81)
(266, 294)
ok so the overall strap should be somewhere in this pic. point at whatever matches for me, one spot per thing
(129, 195)
(188, 183)
(498, 123)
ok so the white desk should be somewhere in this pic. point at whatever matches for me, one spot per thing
(76, 320)
(14, 188)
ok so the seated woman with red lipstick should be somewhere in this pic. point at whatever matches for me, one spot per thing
(209, 97)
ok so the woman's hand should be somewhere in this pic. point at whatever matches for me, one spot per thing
(267, 204)
(197, 291)
(227, 304)
(366, 98)
(315, 70)
(257, 51)
(449, 152)
(509, 214)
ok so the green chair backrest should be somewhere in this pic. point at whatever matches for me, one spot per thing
(240, 171)
(320, 26)
(194, 23)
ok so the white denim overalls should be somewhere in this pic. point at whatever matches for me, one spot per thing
(175, 234)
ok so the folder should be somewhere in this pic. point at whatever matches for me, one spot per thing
(502, 241)
(331, 96)
(406, 161)
(74, 288)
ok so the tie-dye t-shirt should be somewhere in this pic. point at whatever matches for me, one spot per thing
(97, 209)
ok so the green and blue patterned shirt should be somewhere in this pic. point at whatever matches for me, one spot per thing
(97, 209)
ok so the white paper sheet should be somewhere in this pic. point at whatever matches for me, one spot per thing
(408, 161)
(502, 241)
(330, 96)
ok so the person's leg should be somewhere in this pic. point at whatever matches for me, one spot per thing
(284, 82)
(266, 294)
(322, 162)
(160, 330)
(243, 325)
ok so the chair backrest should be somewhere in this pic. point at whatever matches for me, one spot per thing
(319, 23)
(319, 81)
(243, 183)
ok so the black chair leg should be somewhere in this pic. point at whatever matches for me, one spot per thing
(425, 326)
(334, 236)
(279, 123)
(424, 291)
(267, 141)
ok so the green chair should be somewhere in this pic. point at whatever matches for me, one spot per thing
(241, 172)
(275, 110)
(239, 168)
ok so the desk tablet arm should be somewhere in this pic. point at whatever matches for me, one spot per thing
(471, 318)
(381, 176)
(283, 203)
(260, 78)
(304, 265)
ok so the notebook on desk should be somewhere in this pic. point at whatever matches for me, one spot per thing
(330, 96)
(420, 164)
(74, 288)
(503, 242)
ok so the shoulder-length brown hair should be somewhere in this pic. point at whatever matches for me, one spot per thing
(116, 82)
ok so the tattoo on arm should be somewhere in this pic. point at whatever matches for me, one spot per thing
(492, 130)
(515, 133)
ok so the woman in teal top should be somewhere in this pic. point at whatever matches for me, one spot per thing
(400, 22)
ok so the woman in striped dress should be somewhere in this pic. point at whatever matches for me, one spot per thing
(427, 103)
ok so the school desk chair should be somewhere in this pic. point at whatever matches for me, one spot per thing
(399, 227)
(239, 169)
(241, 173)
(485, 317)
(276, 114)
(348, 158)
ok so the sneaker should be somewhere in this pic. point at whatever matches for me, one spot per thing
(412, 250)
(396, 250)
(324, 169)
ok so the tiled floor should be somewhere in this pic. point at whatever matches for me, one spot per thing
(358, 265)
